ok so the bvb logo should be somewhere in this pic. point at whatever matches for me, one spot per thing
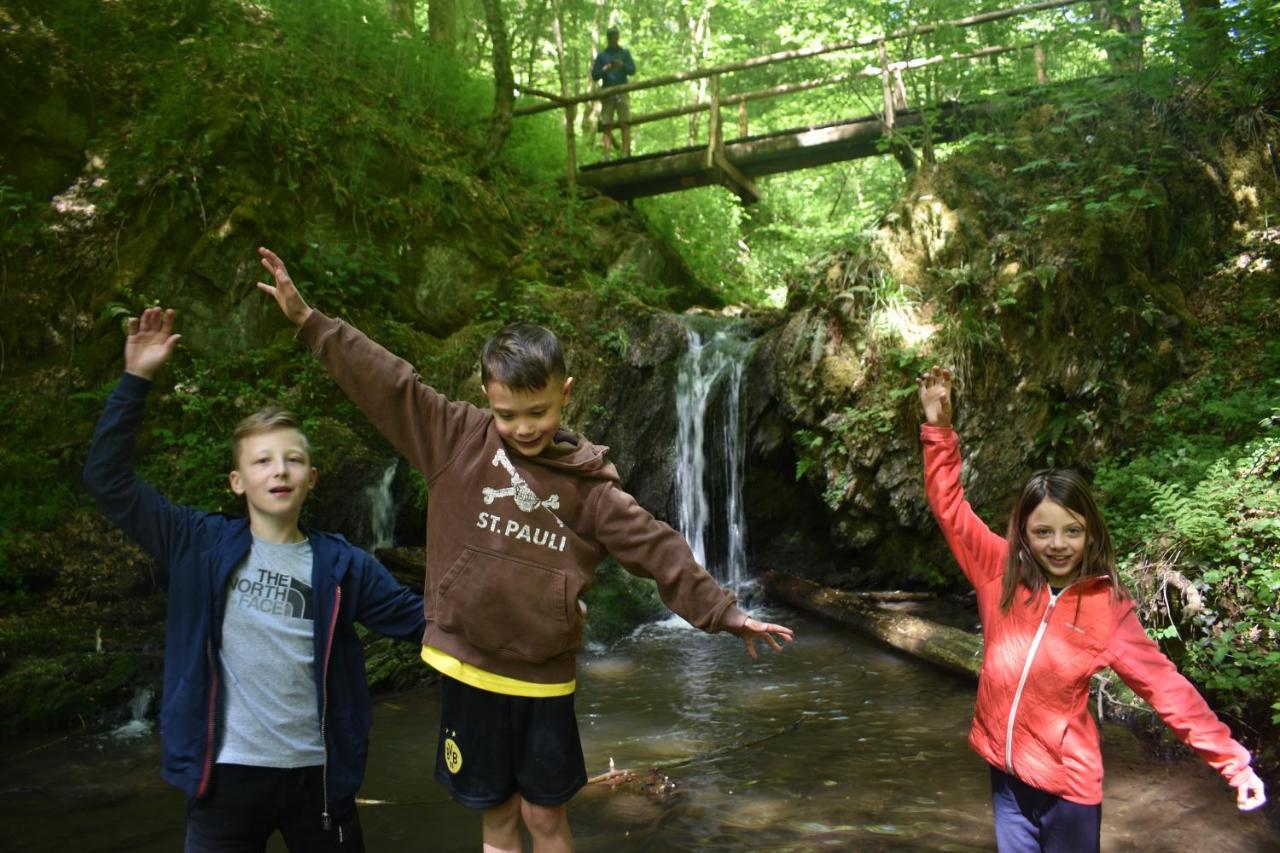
(452, 755)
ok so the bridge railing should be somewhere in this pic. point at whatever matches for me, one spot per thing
(892, 88)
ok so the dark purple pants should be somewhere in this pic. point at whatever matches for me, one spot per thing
(1029, 820)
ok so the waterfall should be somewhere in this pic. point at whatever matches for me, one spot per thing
(710, 452)
(138, 724)
(382, 508)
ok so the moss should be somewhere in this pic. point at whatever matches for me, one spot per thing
(45, 694)
(618, 603)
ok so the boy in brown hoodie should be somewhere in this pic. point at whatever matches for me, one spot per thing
(523, 511)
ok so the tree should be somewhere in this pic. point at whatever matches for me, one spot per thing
(1204, 20)
(504, 85)
(442, 24)
(1125, 18)
(401, 12)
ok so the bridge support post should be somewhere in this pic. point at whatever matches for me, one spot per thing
(715, 136)
(885, 84)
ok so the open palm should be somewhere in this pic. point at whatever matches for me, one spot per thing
(935, 395)
(150, 342)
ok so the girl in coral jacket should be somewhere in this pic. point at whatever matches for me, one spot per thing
(1053, 613)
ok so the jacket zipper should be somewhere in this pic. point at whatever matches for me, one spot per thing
(1022, 682)
(326, 821)
(209, 725)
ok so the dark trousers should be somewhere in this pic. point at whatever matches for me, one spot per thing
(1029, 820)
(245, 805)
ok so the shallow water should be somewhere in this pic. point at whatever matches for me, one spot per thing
(837, 744)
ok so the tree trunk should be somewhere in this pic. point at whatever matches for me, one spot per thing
(1125, 17)
(442, 25)
(504, 86)
(401, 13)
(535, 40)
(949, 648)
(1204, 19)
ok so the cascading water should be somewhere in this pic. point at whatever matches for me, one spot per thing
(710, 451)
(139, 723)
(382, 508)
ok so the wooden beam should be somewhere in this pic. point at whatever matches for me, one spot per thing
(804, 85)
(886, 90)
(952, 649)
(908, 64)
(742, 186)
(804, 53)
(782, 151)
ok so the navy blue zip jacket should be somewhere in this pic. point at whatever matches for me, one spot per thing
(200, 550)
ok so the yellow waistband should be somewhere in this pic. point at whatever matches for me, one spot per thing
(447, 664)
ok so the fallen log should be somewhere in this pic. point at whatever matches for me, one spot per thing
(406, 564)
(949, 648)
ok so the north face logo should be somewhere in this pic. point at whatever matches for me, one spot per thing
(519, 490)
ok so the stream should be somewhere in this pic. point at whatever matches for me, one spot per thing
(836, 744)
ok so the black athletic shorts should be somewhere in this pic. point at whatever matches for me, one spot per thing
(492, 746)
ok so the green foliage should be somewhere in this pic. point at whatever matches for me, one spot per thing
(1201, 496)
(1225, 534)
(190, 444)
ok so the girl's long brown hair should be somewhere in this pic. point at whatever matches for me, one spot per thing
(1071, 491)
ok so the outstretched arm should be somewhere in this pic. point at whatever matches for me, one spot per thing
(143, 514)
(752, 630)
(1141, 664)
(977, 548)
(284, 291)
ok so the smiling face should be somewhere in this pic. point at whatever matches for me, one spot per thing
(273, 472)
(1057, 538)
(528, 420)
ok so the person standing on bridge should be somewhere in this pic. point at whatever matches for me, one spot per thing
(612, 67)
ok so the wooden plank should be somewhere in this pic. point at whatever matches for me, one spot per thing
(804, 53)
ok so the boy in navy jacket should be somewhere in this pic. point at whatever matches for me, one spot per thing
(265, 717)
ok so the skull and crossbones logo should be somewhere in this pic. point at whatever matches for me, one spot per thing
(519, 490)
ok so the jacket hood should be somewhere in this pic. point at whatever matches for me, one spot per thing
(572, 452)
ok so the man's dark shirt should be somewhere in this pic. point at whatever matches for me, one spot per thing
(614, 76)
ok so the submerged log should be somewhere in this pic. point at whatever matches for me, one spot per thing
(950, 648)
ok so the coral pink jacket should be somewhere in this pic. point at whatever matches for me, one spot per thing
(1031, 715)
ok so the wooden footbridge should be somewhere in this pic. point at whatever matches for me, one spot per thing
(736, 163)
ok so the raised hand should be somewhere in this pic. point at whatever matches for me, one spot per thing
(283, 291)
(150, 342)
(935, 395)
(753, 630)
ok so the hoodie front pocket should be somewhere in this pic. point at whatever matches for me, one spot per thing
(501, 604)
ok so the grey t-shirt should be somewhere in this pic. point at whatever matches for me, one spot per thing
(267, 661)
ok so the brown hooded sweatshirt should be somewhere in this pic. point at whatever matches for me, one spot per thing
(512, 542)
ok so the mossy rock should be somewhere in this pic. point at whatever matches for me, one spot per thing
(618, 603)
(47, 694)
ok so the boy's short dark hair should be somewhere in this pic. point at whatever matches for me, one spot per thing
(522, 356)
(266, 419)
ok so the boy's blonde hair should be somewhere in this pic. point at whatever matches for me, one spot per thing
(266, 419)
